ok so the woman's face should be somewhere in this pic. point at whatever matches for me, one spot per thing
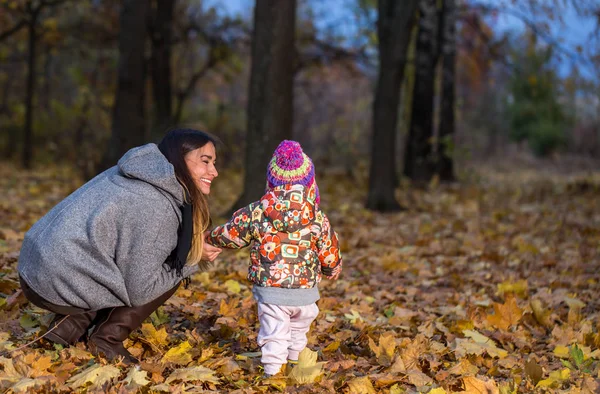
(201, 165)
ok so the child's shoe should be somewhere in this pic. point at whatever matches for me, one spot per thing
(290, 365)
(269, 372)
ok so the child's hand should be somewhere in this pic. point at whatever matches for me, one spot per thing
(209, 252)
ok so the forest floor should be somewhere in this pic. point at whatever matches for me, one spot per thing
(487, 286)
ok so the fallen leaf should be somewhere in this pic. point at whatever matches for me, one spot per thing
(555, 378)
(541, 314)
(97, 375)
(477, 344)
(136, 378)
(385, 350)
(519, 287)
(307, 369)
(27, 385)
(361, 385)
(438, 390)
(474, 385)
(179, 355)
(233, 286)
(505, 315)
(534, 371)
(418, 378)
(561, 351)
(197, 373)
(156, 338)
(463, 367)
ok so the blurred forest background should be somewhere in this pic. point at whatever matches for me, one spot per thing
(418, 90)
(489, 284)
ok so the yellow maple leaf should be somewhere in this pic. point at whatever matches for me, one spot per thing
(197, 373)
(97, 375)
(206, 354)
(474, 385)
(27, 385)
(541, 314)
(361, 385)
(555, 378)
(5, 344)
(519, 287)
(438, 390)
(395, 389)
(505, 315)
(179, 355)
(385, 350)
(561, 351)
(136, 378)
(410, 354)
(463, 367)
(229, 308)
(354, 316)
(40, 365)
(332, 347)
(233, 286)
(418, 378)
(307, 369)
(10, 373)
(477, 344)
(156, 338)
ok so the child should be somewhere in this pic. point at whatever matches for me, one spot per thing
(292, 246)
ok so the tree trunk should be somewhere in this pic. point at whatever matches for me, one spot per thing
(28, 131)
(270, 93)
(445, 165)
(128, 126)
(162, 32)
(419, 163)
(46, 88)
(394, 24)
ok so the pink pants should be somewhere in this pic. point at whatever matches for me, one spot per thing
(282, 334)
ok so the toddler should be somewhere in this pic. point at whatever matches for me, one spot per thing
(293, 245)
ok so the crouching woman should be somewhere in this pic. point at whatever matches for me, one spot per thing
(118, 247)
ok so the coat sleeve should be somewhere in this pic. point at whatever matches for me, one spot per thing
(142, 260)
(237, 232)
(329, 251)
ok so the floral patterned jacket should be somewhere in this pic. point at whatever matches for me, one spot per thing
(293, 244)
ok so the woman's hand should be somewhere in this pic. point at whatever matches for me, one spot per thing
(210, 252)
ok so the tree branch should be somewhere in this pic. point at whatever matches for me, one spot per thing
(187, 91)
(7, 33)
(534, 28)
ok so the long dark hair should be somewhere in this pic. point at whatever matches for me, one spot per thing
(175, 145)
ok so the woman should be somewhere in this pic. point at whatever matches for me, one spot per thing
(118, 247)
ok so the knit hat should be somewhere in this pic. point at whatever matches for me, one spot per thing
(290, 165)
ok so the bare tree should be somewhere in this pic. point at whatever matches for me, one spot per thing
(419, 163)
(445, 164)
(161, 32)
(394, 23)
(128, 127)
(32, 12)
(270, 93)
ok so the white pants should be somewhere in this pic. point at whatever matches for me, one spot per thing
(282, 334)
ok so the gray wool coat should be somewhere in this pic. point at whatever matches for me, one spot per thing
(105, 245)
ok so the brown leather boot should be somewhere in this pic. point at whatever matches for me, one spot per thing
(108, 335)
(69, 329)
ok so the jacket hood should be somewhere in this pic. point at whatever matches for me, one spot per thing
(290, 208)
(149, 165)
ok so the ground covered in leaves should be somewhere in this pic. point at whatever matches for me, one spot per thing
(489, 286)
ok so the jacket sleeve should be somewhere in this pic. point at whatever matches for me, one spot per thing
(145, 285)
(236, 233)
(142, 260)
(329, 251)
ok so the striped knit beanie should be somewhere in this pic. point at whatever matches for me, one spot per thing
(290, 165)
